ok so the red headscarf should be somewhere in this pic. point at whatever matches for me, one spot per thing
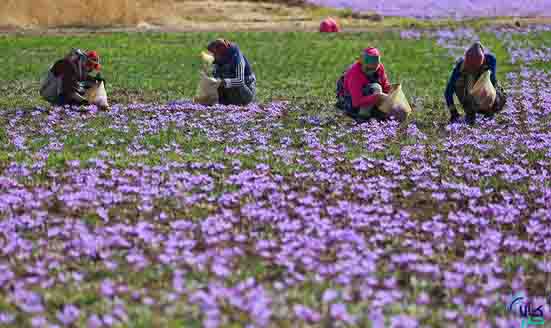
(474, 57)
(371, 51)
(93, 60)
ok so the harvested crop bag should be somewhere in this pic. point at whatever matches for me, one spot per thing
(484, 92)
(207, 91)
(207, 59)
(396, 103)
(96, 95)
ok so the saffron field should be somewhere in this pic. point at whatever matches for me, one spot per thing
(285, 213)
(430, 9)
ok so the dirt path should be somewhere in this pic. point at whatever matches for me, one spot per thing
(40, 14)
(349, 26)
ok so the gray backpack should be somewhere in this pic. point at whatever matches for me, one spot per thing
(50, 87)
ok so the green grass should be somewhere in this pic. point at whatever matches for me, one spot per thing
(533, 39)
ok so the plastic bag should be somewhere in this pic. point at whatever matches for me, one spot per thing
(96, 95)
(207, 58)
(396, 104)
(484, 92)
(207, 91)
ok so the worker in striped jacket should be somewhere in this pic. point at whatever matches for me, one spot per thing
(238, 82)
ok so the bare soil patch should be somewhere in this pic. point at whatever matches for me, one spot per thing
(35, 14)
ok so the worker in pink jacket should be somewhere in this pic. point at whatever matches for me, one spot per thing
(364, 86)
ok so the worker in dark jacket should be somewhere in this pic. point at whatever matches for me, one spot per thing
(466, 72)
(238, 82)
(69, 78)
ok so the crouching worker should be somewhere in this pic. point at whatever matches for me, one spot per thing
(69, 78)
(238, 82)
(363, 87)
(465, 74)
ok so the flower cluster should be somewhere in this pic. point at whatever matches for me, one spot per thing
(431, 9)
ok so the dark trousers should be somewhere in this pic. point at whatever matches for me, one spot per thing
(64, 99)
(243, 95)
(344, 102)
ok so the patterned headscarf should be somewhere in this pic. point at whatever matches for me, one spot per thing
(370, 56)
